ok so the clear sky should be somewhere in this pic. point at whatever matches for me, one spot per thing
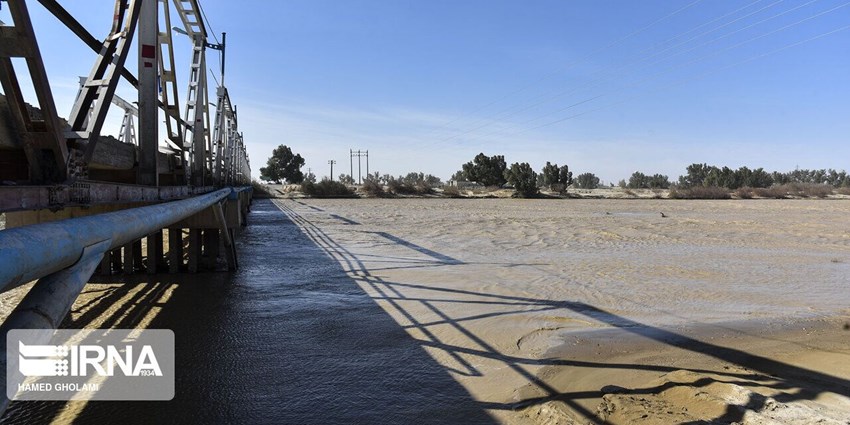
(606, 86)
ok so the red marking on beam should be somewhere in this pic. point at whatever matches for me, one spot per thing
(148, 65)
(148, 51)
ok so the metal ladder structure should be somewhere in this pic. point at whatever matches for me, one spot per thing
(102, 81)
(127, 133)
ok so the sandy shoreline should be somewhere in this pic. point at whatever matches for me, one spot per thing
(735, 373)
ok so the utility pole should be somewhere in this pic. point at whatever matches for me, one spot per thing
(351, 162)
(332, 162)
(359, 154)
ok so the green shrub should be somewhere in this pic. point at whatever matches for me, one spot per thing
(808, 190)
(412, 184)
(745, 192)
(452, 192)
(699, 192)
(373, 187)
(775, 192)
(803, 190)
(326, 189)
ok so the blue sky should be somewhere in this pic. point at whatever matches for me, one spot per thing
(606, 86)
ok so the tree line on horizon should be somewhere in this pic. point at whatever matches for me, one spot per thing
(493, 171)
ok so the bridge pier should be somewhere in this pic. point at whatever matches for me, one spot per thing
(154, 251)
(175, 249)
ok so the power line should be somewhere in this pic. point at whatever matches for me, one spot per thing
(684, 80)
(211, 31)
(204, 14)
(574, 63)
(714, 53)
(699, 59)
(512, 111)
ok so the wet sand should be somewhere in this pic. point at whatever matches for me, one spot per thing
(501, 311)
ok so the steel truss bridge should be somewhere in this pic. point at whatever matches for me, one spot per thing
(78, 201)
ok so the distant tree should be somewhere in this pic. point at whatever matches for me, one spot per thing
(523, 179)
(432, 180)
(460, 176)
(722, 177)
(488, 171)
(696, 175)
(416, 183)
(565, 176)
(758, 178)
(310, 177)
(413, 183)
(375, 177)
(658, 181)
(373, 185)
(346, 179)
(551, 175)
(622, 183)
(283, 165)
(554, 177)
(587, 181)
(781, 178)
(638, 180)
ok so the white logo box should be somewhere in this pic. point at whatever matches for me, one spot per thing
(90, 364)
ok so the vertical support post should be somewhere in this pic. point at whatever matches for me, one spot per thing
(175, 249)
(128, 258)
(351, 162)
(194, 249)
(154, 251)
(148, 94)
(117, 264)
(199, 71)
(211, 245)
(106, 264)
(137, 254)
(227, 237)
